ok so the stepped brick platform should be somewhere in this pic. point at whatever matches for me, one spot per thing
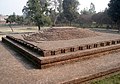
(49, 53)
(14, 70)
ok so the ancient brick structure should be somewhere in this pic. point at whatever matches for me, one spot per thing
(49, 53)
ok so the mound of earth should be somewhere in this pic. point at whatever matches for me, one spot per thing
(55, 34)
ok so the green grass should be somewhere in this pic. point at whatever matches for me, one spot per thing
(109, 80)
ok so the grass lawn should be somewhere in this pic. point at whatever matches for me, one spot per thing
(115, 79)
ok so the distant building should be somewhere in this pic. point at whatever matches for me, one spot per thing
(2, 19)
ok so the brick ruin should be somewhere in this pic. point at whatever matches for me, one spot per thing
(43, 57)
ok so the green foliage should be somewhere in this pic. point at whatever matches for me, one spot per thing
(37, 11)
(19, 20)
(70, 9)
(15, 19)
(61, 19)
(85, 11)
(114, 10)
(42, 20)
(11, 18)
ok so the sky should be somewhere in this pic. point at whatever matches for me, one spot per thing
(7, 7)
(100, 5)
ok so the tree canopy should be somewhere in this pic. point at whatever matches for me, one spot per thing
(114, 10)
(70, 8)
(92, 8)
(11, 18)
(37, 11)
(102, 18)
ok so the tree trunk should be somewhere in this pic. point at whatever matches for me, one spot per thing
(118, 26)
(112, 25)
(55, 20)
(70, 23)
(38, 27)
(11, 27)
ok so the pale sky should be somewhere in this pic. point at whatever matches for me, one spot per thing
(100, 5)
(7, 7)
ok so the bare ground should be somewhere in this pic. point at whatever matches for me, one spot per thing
(54, 34)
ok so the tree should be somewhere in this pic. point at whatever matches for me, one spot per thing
(114, 11)
(70, 9)
(61, 19)
(56, 10)
(11, 19)
(56, 5)
(102, 18)
(85, 11)
(19, 20)
(37, 11)
(53, 16)
(60, 7)
(85, 19)
(92, 8)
